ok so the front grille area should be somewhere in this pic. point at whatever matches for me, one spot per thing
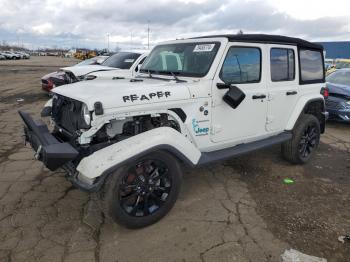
(66, 113)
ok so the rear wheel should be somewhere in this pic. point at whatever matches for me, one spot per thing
(142, 192)
(306, 137)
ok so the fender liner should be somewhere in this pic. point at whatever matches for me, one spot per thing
(105, 161)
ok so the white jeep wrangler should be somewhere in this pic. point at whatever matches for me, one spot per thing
(193, 102)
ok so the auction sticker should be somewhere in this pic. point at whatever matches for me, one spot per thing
(129, 60)
(204, 48)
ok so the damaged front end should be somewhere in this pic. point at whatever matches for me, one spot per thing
(48, 149)
(338, 107)
(75, 136)
(59, 148)
(56, 150)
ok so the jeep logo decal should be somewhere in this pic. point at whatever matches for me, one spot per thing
(148, 97)
(200, 131)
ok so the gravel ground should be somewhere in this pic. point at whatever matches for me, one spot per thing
(237, 210)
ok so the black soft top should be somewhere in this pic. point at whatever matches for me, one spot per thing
(268, 39)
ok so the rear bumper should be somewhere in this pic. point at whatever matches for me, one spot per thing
(48, 149)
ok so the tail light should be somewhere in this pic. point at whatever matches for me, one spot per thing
(325, 92)
(50, 85)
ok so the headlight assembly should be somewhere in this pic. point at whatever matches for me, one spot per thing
(86, 115)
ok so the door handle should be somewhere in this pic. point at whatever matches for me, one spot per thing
(259, 96)
(223, 86)
(291, 93)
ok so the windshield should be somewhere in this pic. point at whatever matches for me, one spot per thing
(186, 59)
(122, 60)
(339, 78)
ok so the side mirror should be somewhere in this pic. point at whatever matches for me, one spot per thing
(234, 96)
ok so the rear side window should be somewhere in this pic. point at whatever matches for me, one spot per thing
(282, 64)
(311, 66)
(242, 65)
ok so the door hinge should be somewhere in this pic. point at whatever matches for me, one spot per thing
(269, 97)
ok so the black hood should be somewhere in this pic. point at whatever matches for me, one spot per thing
(339, 90)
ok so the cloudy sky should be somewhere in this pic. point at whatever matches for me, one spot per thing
(86, 23)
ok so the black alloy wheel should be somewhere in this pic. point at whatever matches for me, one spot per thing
(305, 140)
(309, 140)
(145, 188)
(143, 191)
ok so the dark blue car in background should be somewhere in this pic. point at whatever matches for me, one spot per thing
(338, 101)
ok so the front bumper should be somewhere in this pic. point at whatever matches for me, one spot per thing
(48, 149)
(46, 87)
(339, 115)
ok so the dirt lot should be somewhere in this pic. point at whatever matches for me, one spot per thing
(238, 210)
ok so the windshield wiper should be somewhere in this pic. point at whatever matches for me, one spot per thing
(176, 78)
(150, 72)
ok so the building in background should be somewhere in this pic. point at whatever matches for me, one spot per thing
(337, 49)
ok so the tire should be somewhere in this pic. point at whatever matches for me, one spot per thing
(131, 199)
(305, 140)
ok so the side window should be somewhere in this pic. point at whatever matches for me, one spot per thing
(311, 66)
(282, 63)
(242, 65)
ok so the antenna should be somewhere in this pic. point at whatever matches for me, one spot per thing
(131, 40)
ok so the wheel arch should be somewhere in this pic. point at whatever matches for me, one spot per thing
(108, 159)
(314, 106)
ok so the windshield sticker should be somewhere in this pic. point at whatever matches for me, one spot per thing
(129, 60)
(200, 130)
(146, 97)
(204, 48)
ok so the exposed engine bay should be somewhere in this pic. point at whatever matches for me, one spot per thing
(117, 130)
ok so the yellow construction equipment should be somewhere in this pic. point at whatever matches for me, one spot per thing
(83, 54)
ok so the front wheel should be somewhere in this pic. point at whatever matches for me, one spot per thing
(306, 137)
(142, 192)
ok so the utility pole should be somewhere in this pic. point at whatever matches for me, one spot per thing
(108, 42)
(148, 33)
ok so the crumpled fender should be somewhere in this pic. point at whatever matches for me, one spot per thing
(108, 159)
